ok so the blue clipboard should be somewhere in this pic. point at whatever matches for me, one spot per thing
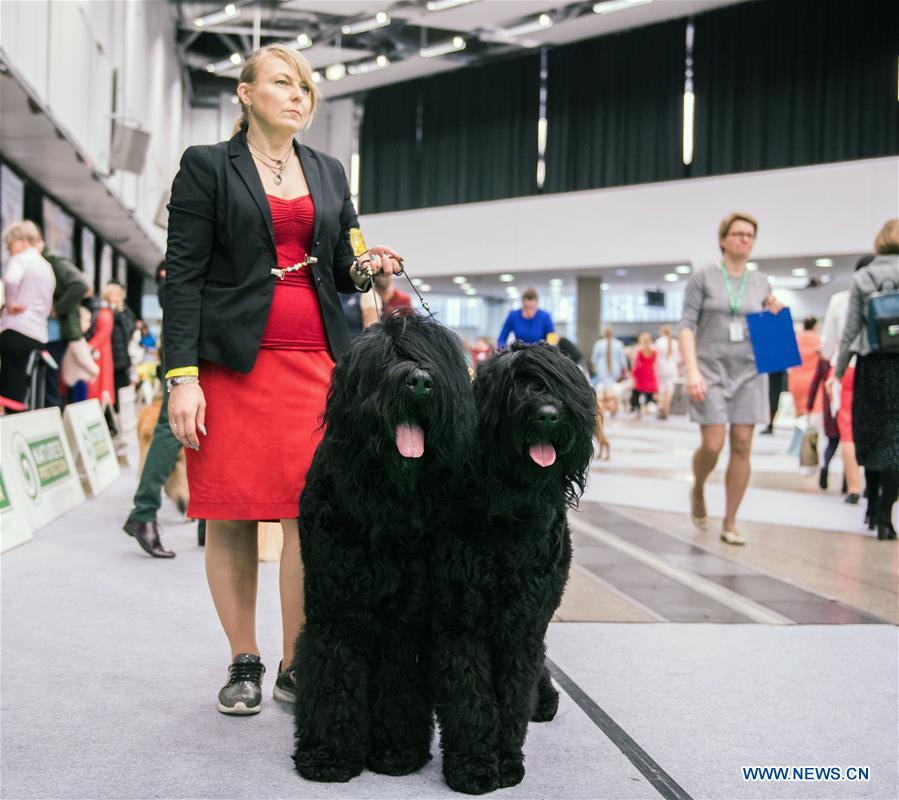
(773, 341)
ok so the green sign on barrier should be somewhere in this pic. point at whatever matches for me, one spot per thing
(4, 497)
(98, 440)
(50, 459)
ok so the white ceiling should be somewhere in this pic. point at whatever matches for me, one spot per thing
(478, 22)
(31, 141)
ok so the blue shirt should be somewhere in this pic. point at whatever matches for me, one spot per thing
(526, 330)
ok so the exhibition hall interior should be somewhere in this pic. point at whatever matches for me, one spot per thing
(353, 353)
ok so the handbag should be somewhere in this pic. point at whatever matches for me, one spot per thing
(808, 452)
(883, 320)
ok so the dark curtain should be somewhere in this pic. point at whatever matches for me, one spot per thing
(783, 83)
(614, 109)
(459, 137)
(389, 154)
(479, 132)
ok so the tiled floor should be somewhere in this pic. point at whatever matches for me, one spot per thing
(807, 574)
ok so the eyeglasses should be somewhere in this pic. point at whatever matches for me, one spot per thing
(742, 235)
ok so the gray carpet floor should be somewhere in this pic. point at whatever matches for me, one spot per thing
(111, 662)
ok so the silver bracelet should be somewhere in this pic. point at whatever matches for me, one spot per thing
(171, 383)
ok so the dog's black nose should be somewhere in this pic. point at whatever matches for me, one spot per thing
(419, 383)
(548, 417)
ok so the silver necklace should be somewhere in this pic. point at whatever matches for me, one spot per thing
(275, 165)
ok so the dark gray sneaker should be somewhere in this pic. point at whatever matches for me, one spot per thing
(286, 685)
(243, 693)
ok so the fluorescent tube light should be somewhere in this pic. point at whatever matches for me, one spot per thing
(230, 11)
(689, 107)
(682, 269)
(541, 23)
(445, 5)
(824, 262)
(380, 20)
(443, 48)
(617, 5)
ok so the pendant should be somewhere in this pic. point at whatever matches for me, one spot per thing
(277, 180)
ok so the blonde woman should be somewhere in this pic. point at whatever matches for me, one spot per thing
(667, 361)
(725, 388)
(259, 247)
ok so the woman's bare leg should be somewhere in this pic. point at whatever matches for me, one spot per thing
(850, 468)
(293, 616)
(738, 469)
(232, 570)
(704, 460)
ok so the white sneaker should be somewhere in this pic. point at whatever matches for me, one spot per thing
(732, 537)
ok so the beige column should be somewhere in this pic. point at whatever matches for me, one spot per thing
(588, 314)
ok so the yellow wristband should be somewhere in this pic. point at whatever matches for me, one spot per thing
(182, 371)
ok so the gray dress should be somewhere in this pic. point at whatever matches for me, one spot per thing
(735, 392)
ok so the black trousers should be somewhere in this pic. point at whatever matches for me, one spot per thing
(52, 394)
(15, 348)
(777, 384)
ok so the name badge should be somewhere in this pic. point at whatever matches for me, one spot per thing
(736, 330)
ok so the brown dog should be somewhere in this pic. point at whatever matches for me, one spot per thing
(600, 435)
(176, 485)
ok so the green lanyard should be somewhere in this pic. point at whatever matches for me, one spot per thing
(735, 303)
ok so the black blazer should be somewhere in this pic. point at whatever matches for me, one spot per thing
(221, 250)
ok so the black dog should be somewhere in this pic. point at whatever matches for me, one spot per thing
(399, 420)
(499, 578)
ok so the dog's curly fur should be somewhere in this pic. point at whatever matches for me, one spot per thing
(498, 578)
(367, 521)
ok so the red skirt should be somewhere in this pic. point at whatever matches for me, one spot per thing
(262, 431)
(844, 414)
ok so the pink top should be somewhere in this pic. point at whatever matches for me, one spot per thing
(294, 320)
(28, 281)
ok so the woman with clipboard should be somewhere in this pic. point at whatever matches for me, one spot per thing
(723, 383)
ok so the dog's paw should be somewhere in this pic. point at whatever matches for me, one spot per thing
(397, 762)
(471, 775)
(325, 766)
(511, 769)
(547, 706)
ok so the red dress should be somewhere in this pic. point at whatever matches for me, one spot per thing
(263, 427)
(645, 373)
(102, 387)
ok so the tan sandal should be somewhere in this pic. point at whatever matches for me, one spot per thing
(698, 512)
(732, 537)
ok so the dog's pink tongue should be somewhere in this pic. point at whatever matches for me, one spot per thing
(543, 454)
(410, 440)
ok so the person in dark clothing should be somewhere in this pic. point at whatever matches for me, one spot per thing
(158, 465)
(72, 286)
(875, 395)
(124, 325)
(777, 385)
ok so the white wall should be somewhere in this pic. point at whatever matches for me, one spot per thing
(832, 209)
(67, 50)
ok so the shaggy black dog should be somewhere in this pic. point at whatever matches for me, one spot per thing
(499, 577)
(398, 424)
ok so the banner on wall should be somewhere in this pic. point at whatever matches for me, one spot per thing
(121, 271)
(39, 472)
(88, 254)
(12, 202)
(59, 229)
(92, 445)
(14, 526)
